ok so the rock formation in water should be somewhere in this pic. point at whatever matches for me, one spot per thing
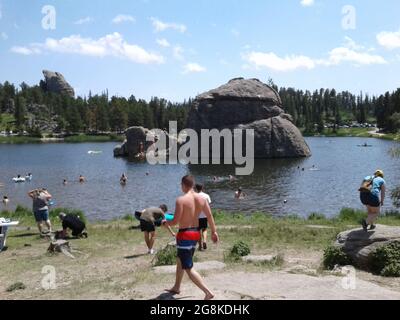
(137, 136)
(250, 104)
(131, 146)
(56, 83)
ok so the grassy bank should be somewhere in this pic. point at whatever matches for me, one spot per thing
(70, 139)
(355, 132)
(112, 263)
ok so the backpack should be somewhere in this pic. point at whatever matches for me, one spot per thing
(366, 186)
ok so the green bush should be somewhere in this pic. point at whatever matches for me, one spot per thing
(16, 286)
(351, 215)
(316, 216)
(240, 249)
(385, 261)
(166, 256)
(335, 256)
(128, 217)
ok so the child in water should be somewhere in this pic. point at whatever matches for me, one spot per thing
(240, 194)
(6, 201)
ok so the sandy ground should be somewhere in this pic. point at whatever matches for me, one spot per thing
(121, 270)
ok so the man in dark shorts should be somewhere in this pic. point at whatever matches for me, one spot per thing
(203, 221)
(187, 211)
(149, 219)
(74, 223)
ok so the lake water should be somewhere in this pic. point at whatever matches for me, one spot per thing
(341, 166)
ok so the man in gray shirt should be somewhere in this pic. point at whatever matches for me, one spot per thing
(40, 199)
(149, 218)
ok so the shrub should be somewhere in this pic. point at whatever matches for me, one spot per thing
(333, 256)
(128, 217)
(351, 215)
(240, 249)
(316, 216)
(16, 286)
(385, 261)
(166, 256)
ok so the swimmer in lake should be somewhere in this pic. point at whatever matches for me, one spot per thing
(82, 179)
(65, 182)
(6, 201)
(124, 179)
(240, 194)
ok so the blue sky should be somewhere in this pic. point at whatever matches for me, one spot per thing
(178, 48)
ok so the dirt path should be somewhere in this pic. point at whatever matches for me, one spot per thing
(376, 133)
(275, 286)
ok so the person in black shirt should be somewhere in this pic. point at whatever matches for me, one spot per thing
(74, 223)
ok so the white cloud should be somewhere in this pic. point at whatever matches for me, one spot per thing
(193, 68)
(112, 45)
(389, 40)
(121, 18)
(84, 21)
(163, 43)
(340, 55)
(271, 61)
(25, 50)
(178, 53)
(307, 3)
(4, 36)
(160, 26)
(350, 53)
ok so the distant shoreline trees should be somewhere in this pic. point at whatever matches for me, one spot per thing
(33, 108)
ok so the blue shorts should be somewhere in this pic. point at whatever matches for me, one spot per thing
(41, 215)
(186, 241)
(369, 199)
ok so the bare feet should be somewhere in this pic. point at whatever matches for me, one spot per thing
(173, 291)
(209, 296)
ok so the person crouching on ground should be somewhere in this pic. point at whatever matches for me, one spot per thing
(188, 208)
(40, 199)
(74, 223)
(203, 225)
(149, 218)
(370, 198)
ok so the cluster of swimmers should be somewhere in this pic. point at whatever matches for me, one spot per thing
(20, 178)
(81, 179)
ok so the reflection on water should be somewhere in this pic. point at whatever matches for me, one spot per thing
(277, 186)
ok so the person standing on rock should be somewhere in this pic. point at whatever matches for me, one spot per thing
(187, 211)
(373, 187)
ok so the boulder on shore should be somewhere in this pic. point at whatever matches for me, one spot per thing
(250, 104)
(359, 245)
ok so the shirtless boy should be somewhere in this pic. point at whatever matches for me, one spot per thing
(188, 208)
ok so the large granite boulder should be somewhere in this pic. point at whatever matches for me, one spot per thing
(137, 136)
(132, 145)
(359, 245)
(56, 83)
(250, 104)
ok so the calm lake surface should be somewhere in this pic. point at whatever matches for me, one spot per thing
(341, 166)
